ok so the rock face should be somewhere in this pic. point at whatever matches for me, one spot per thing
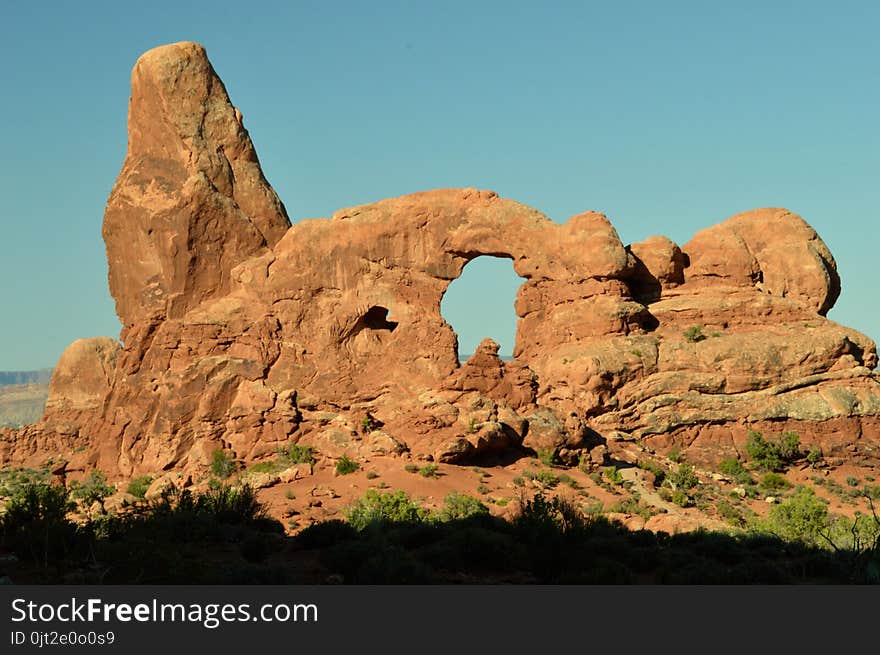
(243, 333)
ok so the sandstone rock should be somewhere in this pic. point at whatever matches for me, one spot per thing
(191, 201)
(161, 486)
(244, 334)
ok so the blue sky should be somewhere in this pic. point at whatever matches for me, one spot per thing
(668, 117)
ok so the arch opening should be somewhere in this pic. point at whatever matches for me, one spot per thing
(480, 304)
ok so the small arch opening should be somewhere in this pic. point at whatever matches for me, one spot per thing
(480, 304)
(376, 318)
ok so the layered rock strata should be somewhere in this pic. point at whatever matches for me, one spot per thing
(244, 333)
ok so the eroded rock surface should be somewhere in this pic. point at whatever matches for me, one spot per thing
(245, 334)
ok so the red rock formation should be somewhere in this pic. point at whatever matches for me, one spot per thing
(243, 333)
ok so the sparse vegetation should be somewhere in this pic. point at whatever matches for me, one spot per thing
(459, 506)
(773, 456)
(222, 464)
(774, 482)
(546, 478)
(92, 489)
(137, 487)
(694, 334)
(345, 465)
(612, 474)
(297, 454)
(376, 507)
(735, 470)
(547, 456)
(429, 471)
(411, 468)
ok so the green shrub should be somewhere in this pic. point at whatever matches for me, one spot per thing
(518, 481)
(547, 456)
(547, 478)
(472, 426)
(729, 513)
(13, 480)
(137, 487)
(297, 454)
(345, 465)
(675, 454)
(567, 480)
(683, 478)
(265, 467)
(372, 475)
(93, 489)
(584, 462)
(735, 470)
(773, 456)
(681, 498)
(803, 517)
(774, 482)
(227, 504)
(36, 502)
(411, 468)
(814, 456)
(694, 334)
(222, 464)
(613, 474)
(655, 468)
(460, 506)
(852, 481)
(376, 507)
(483, 489)
(428, 471)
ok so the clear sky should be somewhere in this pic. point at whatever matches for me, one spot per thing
(668, 117)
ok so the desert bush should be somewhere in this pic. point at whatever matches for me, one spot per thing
(694, 334)
(297, 454)
(814, 456)
(345, 465)
(653, 467)
(460, 506)
(683, 478)
(37, 501)
(735, 470)
(803, 517)
(547, 478)
(428, 471)
(547, 456)
(93, 489)
(137, 487)
(226, 504)
(222, 464)
(613, 474)
(376, 507)
(773, 456)
(774, 482)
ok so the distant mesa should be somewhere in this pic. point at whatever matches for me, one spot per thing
(23, 396)
(245, 333)
(40, 376)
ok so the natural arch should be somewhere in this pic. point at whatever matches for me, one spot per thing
(480, 304)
